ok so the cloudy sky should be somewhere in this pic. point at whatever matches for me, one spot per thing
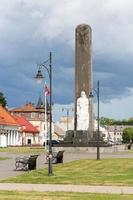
(29, 30)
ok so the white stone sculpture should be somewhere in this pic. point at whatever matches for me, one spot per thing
(82, 112)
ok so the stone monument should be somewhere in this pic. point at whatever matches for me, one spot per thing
(83, 69)
(82, 134)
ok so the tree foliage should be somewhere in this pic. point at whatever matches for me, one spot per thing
(127, 135)
(3, 101)
(109, 121)
(106, 121)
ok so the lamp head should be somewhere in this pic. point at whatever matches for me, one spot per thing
(39, 76)
(91, 95)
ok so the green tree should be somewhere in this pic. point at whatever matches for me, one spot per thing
(3, 101)
(106, 121)
(109, 121)
(128, 136)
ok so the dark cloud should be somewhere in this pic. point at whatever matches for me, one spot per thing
(115, 76)
(29, 30)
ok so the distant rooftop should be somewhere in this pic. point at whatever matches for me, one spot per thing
(28, 107)
(26, 125)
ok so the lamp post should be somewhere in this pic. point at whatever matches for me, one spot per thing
(98, 130)
(39, 77)
(67, 111)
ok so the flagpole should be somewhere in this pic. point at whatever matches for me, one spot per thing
(46, 119)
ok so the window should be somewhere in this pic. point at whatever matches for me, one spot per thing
(33, 115)
(42, 116)
(29, 141)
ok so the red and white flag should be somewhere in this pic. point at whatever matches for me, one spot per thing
(46, 90)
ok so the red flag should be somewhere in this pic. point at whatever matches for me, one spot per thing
(47, 90)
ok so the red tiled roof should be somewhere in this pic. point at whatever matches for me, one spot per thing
(6, 118)
(26, 108)
(26, 125)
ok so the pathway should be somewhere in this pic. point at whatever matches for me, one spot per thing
(66, 188)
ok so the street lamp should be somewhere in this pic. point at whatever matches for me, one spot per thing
(39, 77)
(98, 130)
(67, 111)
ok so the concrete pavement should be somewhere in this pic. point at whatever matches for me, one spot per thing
(66, 188)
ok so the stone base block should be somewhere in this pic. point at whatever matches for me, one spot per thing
(81, 138)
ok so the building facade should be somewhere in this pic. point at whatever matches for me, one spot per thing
(36, 116)
(29, 133)
(9, 129)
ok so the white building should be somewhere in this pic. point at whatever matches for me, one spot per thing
(9, 129)
(36, 116)
(115, 133)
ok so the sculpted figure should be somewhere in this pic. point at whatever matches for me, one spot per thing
(82, 112)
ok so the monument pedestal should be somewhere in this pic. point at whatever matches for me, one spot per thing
(81, 138)
(77, 138)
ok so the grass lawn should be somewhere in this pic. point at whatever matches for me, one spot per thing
(87, 172)
(18, 150)
(4, 158)
(10, 195)
(131, 150)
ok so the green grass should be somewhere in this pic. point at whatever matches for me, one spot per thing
(17, 150)
(131, 150)
(87, 172)
(10, 195)
(4, 158)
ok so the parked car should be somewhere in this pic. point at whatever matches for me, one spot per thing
(53, 142)
(118, 142)
(111, 142)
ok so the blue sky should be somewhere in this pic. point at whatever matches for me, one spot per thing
(30, 29)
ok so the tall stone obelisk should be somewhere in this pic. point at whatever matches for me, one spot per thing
(83, 67)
